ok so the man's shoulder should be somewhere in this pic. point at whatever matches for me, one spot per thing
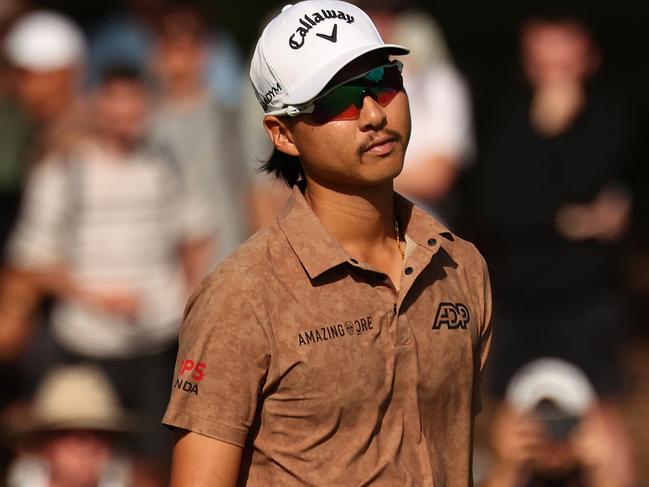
(241, 282)
(463, 249)
(460, 250)
(250, 265)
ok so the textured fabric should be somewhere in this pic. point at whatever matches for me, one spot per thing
(325, 375)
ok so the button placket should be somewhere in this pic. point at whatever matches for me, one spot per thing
(415, 263)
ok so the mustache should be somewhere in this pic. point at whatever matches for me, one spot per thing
(365, 145)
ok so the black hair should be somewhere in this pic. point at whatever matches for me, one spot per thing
(121, 72)
(183, 19)
(285, 167)
(558, 14)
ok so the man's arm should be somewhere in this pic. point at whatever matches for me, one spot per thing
(57, 281)
(199, 461)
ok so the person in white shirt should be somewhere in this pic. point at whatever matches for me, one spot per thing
(110, 232)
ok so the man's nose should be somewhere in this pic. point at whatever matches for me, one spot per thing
(372, 115)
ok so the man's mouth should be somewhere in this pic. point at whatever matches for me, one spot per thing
(381, 146)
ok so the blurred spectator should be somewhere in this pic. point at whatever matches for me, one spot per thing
(265, 195)
(45, 52)
(10, 10)
(108, 230)
(441, 142)
(69, 437)
(552, 431)
(129, 37)
(198, 130)
(555, 205)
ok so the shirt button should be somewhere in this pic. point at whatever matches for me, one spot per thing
(353, 261)
(432, 241)
(408, 270)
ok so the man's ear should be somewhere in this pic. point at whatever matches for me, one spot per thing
(281, 135)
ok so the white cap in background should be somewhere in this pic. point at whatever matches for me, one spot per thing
(554, 380)
(302, 49)
(45, 41)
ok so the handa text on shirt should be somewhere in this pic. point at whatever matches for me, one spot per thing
(186, 386)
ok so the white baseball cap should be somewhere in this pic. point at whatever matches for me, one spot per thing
(45, 41)
(302, 49)
(554, 380)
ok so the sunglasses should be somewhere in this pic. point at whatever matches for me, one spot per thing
(344, 102)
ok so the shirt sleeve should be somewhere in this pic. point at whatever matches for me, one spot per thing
(37, 239)
(222, 363)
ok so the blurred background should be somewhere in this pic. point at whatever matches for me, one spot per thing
(130, 142)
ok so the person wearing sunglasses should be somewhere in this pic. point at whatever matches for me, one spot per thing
(343, 345)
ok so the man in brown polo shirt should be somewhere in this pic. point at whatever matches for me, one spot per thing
(343, 345)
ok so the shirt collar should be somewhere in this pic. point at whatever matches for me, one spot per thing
(419, 226)
(318, 251)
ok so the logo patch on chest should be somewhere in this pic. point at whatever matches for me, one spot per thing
(332, 332)
(452, 315)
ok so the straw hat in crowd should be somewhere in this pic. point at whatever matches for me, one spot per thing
(72, 398)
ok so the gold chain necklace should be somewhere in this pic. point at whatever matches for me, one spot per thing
(402, 251)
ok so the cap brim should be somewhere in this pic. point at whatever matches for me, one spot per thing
(121, 424)
(315, 83)
(30, 428)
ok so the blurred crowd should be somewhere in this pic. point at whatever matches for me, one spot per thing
(129, 156)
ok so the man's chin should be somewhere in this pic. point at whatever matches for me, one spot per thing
(379, 178)
(382, 169)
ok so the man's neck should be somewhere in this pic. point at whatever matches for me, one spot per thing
(362, 219)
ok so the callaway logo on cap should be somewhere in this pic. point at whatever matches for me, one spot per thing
(302, 49)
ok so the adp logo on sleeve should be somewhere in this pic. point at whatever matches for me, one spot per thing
(189, 373)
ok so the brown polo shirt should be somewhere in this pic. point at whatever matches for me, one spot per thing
(326, 375)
